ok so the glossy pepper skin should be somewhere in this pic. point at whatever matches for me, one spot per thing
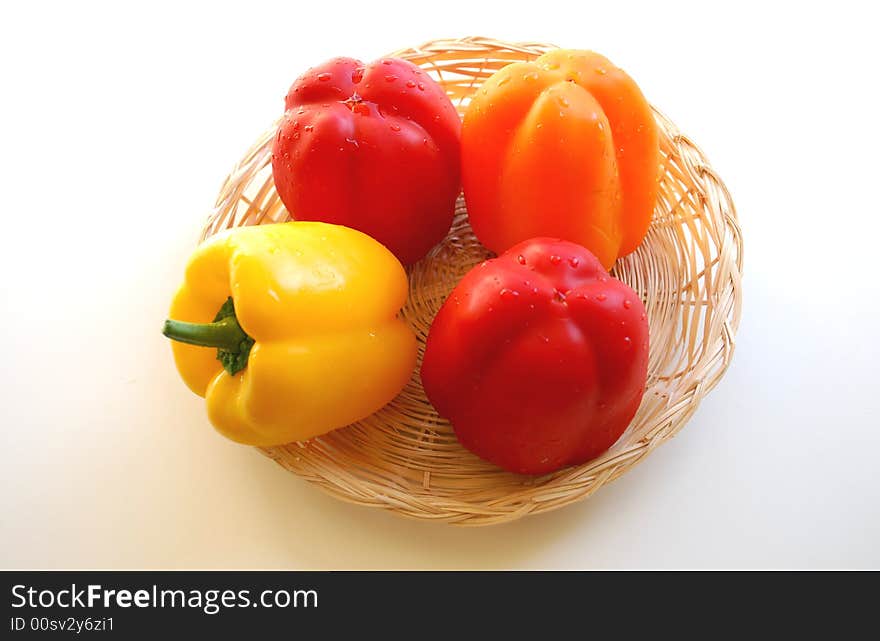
(320, 304)
(538, 357)
(565, 146)
(373, 147)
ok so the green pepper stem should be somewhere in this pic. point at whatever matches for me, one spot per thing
(232, 343)
(224, 334)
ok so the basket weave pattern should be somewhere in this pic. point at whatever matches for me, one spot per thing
(405, 458)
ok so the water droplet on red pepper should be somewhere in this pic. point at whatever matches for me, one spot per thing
(574, 262)
(627, 304)
(390, 78)
(555, 260)
(324, 77)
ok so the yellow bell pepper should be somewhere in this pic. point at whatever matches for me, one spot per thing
(307, 337)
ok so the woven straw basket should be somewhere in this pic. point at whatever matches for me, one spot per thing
(405, 458)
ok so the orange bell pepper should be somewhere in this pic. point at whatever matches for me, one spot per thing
(565, 146)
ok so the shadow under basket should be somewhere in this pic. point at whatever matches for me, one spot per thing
(405, 458)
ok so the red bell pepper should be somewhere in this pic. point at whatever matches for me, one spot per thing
(539, 357)
(374, 147)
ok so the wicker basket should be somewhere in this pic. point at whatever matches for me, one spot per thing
(405, 458)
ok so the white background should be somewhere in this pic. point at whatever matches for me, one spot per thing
(118, 125)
